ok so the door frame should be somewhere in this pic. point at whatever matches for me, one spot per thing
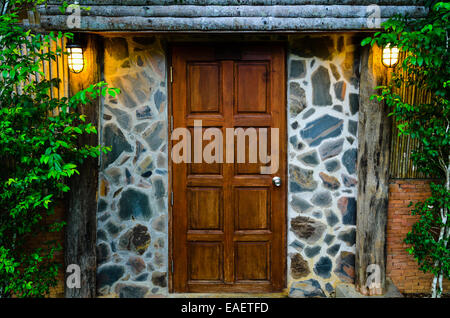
(283, 149)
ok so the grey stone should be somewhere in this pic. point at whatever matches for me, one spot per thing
(114, 138)
(109, 274)
(299, 267)
(310, 158)
(322, 199)
(136, 264)
(137, 239)
(103, 253)
(139, 128)
(310, 46)
(350, 140)
(329, 238)
(332, 251)
(159, 279)
(158, 183)
(114, 174)
(347, 206)
(329, 182)
(155, 135)
(293, 140)
(335, 71)
(297, 99)
(144, 112)
(331, 217)
(142, 277)
(349, 181)
(321, 87)
(338, 108)
(298, 69)
(353, 127)
(323, 267)
(131, 291)
(123, 119)
(348, 236)
(345, 267)
(354, 103)
(322, 128)
(312, 251)
(297, 245)
(134, 204)
(339, 90)
(301, 180)
(117, 48)
(101, 235)
(145, 165)
(329, 288)
(308, 113)
(159, 98)
(159, 259)
(159, 224)
(294, 125)
(317, 214)
(306, 289)
(113, 228)
(330, 149)
(332, 165)
(307, 229)
(349, 160)
(139, 61)
(102, 205)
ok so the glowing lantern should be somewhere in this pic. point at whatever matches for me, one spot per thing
(75, 59)
(390, 56)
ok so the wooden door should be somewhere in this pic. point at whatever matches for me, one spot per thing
(228, 220)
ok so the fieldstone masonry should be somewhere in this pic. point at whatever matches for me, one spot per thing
(323, 102)
(132, 211)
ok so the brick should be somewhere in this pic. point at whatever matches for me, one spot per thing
(400, 266)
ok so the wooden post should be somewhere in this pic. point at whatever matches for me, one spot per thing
(374, 134)
(81, 228)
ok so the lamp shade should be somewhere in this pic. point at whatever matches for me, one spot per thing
(76, 58)
(390, 56)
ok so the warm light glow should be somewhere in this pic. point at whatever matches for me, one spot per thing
(76, 60)
(390, 56)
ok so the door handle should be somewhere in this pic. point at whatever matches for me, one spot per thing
(276, 181)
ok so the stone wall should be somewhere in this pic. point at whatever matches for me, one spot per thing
(132, 239)
(323, 102)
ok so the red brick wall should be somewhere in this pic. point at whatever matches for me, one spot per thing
(60, 210)
(401, 267)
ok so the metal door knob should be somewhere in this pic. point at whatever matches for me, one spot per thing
(276, 181)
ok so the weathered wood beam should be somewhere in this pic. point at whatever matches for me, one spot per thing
(213, 24)
(276, 11)
(374, 132)
(242, 2)
(81, 229)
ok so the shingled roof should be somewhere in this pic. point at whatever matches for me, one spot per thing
(230, 15)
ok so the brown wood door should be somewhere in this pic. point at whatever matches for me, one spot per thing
(229, 220)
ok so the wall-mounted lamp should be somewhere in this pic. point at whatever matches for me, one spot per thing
(76, 58)
(390, 56)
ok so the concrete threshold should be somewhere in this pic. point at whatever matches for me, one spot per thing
(349, 291)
